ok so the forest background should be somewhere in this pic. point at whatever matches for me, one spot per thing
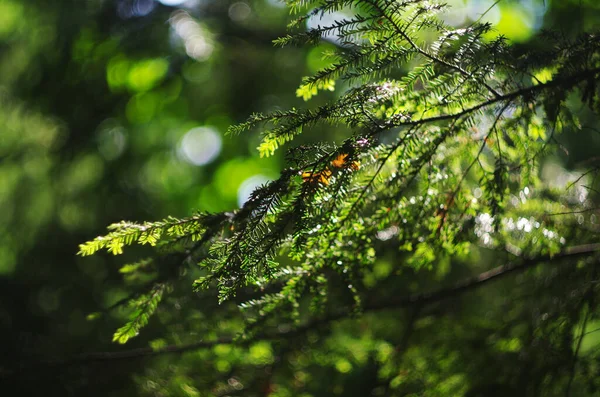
(113, 110)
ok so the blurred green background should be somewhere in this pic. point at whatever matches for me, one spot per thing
(117, 109)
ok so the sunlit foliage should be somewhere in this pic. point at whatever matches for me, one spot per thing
(346, 273)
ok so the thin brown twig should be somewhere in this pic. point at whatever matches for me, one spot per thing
(573, 368)
(573, 212)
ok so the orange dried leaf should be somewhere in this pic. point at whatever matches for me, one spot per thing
(340, 160)
(321, 177)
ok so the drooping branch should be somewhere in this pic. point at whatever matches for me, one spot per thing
(415, 301)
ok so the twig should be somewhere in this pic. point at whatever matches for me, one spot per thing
(580, 339)
(573, 212)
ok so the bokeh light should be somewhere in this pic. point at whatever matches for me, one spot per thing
(484, 11)
(239, 11)
(276, 3)
(327, 19)
(248, 186)
(195, 37)
(516, 20)
(135, 8)
(200, 145)
(457, 13)
(172, 3)
(112, 139)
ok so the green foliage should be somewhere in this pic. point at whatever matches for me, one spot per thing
(144, 307)
(174, 231)
(443, 136)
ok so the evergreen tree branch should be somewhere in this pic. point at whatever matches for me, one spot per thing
(425, 53)
(413, 301)
(565, 82)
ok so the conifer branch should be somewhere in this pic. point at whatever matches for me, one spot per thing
(565, 82)
(425, 53)
(412, 301)
(406, 172)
